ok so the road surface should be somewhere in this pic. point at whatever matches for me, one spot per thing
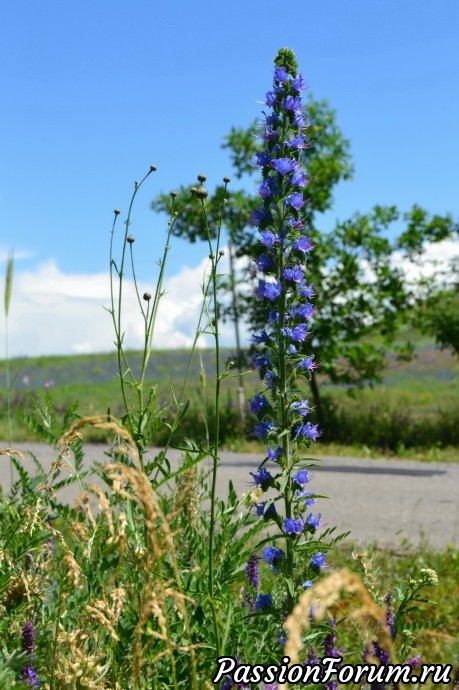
(388, 502)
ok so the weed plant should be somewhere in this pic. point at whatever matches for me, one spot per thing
(151, 577)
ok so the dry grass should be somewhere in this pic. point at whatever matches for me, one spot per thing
(317, 602)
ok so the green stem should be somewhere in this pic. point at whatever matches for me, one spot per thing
(8, 398)
(116, 313)
(214, 254)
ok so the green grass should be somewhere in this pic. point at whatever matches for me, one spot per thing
(412, 413)
(440, 642)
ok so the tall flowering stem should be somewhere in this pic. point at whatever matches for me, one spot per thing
(281, 408)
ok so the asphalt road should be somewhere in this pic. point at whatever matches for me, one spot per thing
(388, 502)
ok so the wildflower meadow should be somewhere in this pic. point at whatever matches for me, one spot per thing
(152, 580)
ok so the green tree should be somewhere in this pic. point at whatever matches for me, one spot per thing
(360, 290)
(438, 311)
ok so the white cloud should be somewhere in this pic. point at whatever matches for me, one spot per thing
(53, 312)
(5, 254)
(435, 259)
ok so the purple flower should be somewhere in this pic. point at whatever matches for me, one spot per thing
(308, 430)
(28, 673)
(262, 158)
(273, 316)
(263, 428)
(269, 290)
(274, 454)
(262, 477)
(301, 477)
(263, 337)
(251, 570)
(261, 215)
(28, 638)
(292, 103)
(299, 178)
(390, 618)
(263, 601)
(381, 654)
(269, 512)
(296, 200)
(264, 263)
(299, 120)
(292, 526)
(307, 291)
(309, 501)
(313, 520)
(299, 333)
(414, 661)
(269, 133)
(270, 378)
(268, 239)
(305, 311)
(283, 165)
(260, 361)
(318, 560)
(265, 189)
(303, 244)
(300, 406)
(298, 142)
(298, 82)
(307, 363)
(308, 584)
(29, 676)
(270, 99)
(280, 74)
(272, 555)
(295, 274)
(258, 404)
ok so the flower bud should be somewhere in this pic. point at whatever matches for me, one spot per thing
(146, 296)
(130, 239)
(174, 195)
(201, 192)
(227, 179)
(202, 178)
(117, 212)
(153, 168)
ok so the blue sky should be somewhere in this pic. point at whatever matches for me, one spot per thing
(94, 92)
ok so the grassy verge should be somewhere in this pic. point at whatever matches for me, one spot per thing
(412, 414)
(381, 568)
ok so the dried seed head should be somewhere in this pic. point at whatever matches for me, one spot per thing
(146, 296)
(202, 178)
(130, 239)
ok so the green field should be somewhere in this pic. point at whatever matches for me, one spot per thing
(413, 412)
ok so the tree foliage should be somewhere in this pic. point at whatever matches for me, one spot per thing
(361, 290)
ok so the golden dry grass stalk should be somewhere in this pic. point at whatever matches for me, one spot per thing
(318, 601)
